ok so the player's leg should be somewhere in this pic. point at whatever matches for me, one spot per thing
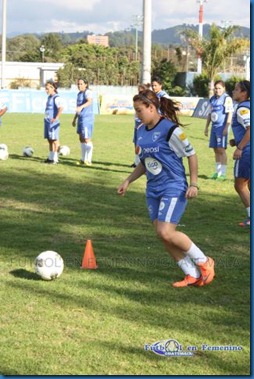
(242, 185)
(188, 256)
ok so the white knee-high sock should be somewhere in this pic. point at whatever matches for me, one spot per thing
(83, 150)
(188, 267)
(196, 254)
(89, 152)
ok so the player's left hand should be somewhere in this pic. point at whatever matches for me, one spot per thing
(191, 192)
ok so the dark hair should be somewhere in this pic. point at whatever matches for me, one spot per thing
(167, 107)
(157, 79)
(53, 84)
(220, 82)
(245, 86)
(84, 80)
(143, 86)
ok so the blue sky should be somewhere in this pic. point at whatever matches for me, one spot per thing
(102, 16)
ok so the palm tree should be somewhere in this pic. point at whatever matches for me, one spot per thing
(215, 50)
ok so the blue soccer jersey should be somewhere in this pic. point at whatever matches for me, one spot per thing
(162, 93)
(161, 150)
(51, 129)
(51, 110)
(241, 121)
(219, 108)
(86, 116)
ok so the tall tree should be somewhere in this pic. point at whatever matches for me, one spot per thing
(214, 50)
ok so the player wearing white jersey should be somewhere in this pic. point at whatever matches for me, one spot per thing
(85, 116)
(221, 110)
(161, 145)
(241, 131)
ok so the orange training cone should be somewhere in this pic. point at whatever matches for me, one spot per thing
(89, 260)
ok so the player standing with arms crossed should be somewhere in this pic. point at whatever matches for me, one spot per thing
(85, 124)
(241, 131)
(162, 145)
(221, 109)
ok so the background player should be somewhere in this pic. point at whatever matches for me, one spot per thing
(221, 108)
(241, 131)
(53, 111)
(84, 114)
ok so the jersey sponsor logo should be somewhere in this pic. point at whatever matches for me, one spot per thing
(153, 166)
(228, 101)
(138, 151)
(155, 136)
(182, 136)
(149, 150)
(214, 116)
(244, 111)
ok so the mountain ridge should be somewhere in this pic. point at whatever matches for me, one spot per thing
(168, 36)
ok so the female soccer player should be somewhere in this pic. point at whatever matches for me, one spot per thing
(51, 121)
(85, 124)
(162, 144)
(157, 87)
(221, 109)
(241, 131)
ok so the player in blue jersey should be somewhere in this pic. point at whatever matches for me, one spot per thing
(162, 144)
(53, 111)
(141, 87)
(221, 110)
(157, 87)
(85, 116)
(241, 131)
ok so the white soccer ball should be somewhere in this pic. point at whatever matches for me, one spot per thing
(64, 150)
(49, 265)
(4, 154)
(28, 151)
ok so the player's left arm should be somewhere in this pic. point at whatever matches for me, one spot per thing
(59, 105)
(229, 108)
(243, 116)
(180, 144)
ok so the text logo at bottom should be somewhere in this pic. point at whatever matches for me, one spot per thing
(168, 348)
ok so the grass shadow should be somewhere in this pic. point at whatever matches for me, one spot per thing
(24, 274)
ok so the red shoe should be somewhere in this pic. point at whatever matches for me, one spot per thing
(246, 222)
(189, 281)
(207, 270)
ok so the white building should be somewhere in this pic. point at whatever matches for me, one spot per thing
(33, 73)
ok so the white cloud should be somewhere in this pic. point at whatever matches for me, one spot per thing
(101, 16)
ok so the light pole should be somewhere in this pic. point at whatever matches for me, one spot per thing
(147, 41)
(246, 59)
(3, 44)
(42, 50)
(137, 21)
(200, 31)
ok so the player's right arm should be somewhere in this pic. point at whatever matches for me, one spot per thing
(137, 173)
(208, 120)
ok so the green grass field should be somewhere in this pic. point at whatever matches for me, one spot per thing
(98, 321)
